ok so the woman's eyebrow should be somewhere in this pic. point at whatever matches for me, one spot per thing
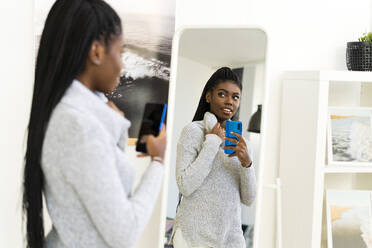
(235, 93)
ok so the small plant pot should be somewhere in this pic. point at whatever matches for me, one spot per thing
(359, 56)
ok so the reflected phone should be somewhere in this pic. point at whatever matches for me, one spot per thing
(232, 126)
(153, 120)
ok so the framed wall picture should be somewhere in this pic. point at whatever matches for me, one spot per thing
(349, 218)
(148, 29)
(349, 136)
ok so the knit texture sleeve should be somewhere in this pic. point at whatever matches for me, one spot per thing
(248, 180)
(89, 166)
(123, 140)
(192, 165)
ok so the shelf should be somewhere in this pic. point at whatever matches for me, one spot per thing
(306, 98)
(347, 169)
(334, 76)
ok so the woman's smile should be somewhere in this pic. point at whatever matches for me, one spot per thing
(227, 111)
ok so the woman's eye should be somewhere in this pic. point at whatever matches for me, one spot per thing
(236, 98)
(221, 94)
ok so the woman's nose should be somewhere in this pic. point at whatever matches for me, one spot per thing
(228, 100)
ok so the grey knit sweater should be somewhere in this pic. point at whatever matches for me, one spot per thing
(89, 179)
(213, 186)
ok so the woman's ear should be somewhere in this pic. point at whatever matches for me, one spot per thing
(208, 97)
(96, 53)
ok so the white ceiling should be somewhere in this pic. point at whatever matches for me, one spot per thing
(217, 47)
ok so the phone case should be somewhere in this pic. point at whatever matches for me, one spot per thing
(232, 126)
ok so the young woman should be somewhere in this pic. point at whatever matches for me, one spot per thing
(213, 184)
(76, 139)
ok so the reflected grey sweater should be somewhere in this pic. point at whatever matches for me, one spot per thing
(89, 179)
(213, 186)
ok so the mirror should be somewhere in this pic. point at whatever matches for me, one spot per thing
(209, 219)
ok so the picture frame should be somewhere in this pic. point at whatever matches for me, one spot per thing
(349, 218)
(148, 36)
(349, 136)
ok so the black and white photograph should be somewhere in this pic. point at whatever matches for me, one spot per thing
(148, 32)
(349, 136)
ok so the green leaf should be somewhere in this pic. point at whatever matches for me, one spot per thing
(367, 37)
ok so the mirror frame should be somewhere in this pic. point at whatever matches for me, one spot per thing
(170, 120)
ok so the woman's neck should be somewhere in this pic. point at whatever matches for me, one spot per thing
(85, 80)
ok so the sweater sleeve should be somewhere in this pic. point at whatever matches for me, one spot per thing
(193, 166)
(248, 181)
(122, 144)
(89, 166)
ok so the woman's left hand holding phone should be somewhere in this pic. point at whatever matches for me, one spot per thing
(156, 145)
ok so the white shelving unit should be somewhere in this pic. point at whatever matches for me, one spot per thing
(345, 169)
(304, 173)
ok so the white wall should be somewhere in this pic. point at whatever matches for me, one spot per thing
(245, 113)
(301, 35)
(252, 95)
(16, 70)
(370, 16)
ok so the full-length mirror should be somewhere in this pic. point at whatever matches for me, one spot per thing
(218, 76)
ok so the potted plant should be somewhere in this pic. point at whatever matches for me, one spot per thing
(359, 54)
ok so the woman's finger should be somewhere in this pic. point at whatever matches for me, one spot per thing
(150, 139)
(162, 131)
(232, 155)
(241, 139)
(232, 140)
(230, 148)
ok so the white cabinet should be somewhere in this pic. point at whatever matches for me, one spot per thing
(304, 173)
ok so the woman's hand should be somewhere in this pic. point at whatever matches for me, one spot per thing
(217, 130)
(113, 106)
(240, 149)
(156, 145)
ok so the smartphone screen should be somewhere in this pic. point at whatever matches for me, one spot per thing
(232, 126)
(153, 119)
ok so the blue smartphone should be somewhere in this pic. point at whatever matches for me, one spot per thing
(232, 126)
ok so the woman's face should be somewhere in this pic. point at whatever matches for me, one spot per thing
(224, 100)
(111, 66)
